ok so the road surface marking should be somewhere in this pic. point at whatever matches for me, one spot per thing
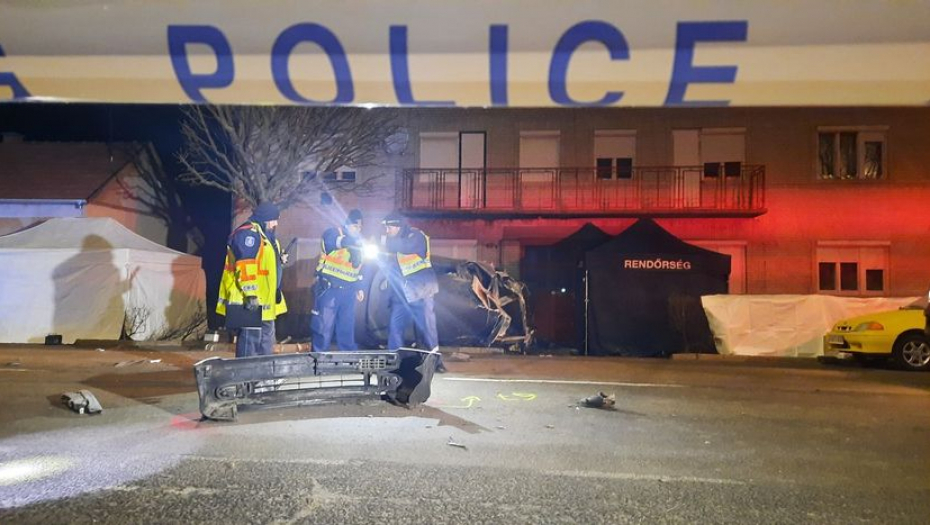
(564, 382)
(642, 477)
(516, 396)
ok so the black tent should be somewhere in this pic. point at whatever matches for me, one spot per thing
(554, 275)
(644, 288)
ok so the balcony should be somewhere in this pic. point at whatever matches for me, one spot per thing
(731, 190)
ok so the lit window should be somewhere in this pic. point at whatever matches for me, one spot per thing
(848, 154)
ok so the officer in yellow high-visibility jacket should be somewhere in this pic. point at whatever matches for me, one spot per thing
(409, 272)
(338, 285)
(252, 279)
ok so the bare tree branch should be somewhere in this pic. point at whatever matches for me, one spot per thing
(159, 194)
(278, 154)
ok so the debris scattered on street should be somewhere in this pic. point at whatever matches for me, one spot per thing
(458, 356)
(550, 426)
(499, 427)
(14, 363)
(154, 361)
(101, 350)
(82, 401)
(601, 400)
(121, 364)
(453, 443)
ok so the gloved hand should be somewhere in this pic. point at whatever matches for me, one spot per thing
(251, 303)
(285, 257)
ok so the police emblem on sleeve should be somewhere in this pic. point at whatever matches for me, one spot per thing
(250, 241)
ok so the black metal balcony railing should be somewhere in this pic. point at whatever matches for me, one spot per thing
(708, 190)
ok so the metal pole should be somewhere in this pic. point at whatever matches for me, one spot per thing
(586, 300)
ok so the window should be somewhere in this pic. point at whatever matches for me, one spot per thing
(614, 151)
(718, 151)
(852, 269)
(454, 161)
(723, 151)
(336, 176)
(851, 153)
(737, 252)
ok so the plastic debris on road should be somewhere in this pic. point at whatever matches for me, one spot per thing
(82, 402)
(601, 400)
(453, 443)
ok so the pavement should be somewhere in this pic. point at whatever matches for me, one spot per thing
(502, 439)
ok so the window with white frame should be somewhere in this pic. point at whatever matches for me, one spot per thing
(849, 153)
(719, 151)
(455, 159)
(614, 153)
(852, 268)
(723, 151)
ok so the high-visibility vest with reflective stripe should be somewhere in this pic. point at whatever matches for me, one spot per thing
(411, 263)
(337, 263)
(258, 277)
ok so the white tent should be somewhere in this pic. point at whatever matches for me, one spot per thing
(80, 277)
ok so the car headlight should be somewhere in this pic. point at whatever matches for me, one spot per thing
(869, 325)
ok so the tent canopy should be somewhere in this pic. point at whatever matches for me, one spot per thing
(645, 286)
(556, 266)
(82, 277)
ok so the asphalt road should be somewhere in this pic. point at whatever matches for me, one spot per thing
(690, 441)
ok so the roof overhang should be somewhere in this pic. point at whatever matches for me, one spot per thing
(34, 208)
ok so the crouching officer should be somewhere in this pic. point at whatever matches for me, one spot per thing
(338, 285)
(252, 279)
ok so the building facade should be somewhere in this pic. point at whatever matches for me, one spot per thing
(42, 179)
(804, 200)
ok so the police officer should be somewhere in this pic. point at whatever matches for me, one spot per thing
(338, 285)
(252, 278)
(413, 281)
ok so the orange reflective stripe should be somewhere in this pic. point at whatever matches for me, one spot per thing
(337, 264)
(243, 268)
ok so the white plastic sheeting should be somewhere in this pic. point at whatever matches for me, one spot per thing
(78, 278)
(784, 325)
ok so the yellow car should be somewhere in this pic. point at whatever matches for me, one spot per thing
(898, 334)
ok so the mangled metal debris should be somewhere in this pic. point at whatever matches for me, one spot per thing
(477, 306)
(402, 377)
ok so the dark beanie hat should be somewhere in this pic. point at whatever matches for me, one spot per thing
(265, 212)
(395, 218)
(355, 217)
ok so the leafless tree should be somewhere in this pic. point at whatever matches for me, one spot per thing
(159, 193)
(135, 321)
(280, 154)
(193, 325)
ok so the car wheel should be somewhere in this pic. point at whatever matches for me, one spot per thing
(912, 352)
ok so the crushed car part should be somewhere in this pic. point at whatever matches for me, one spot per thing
(402, 377)
(476, 306)
(82, 402)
